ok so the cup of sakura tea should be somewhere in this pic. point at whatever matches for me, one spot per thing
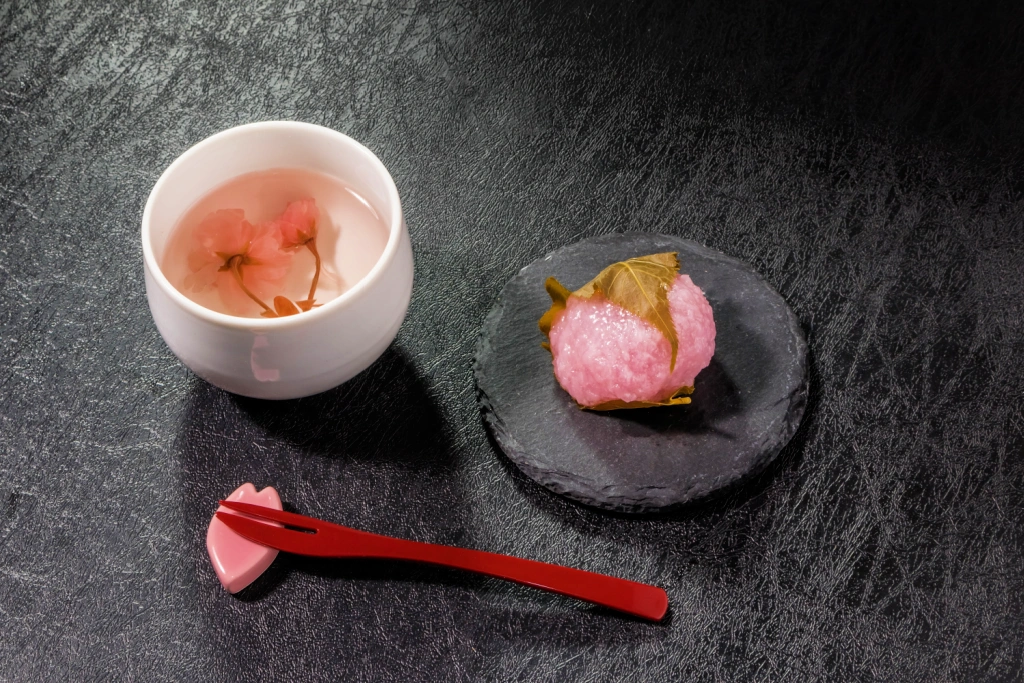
(277, 260)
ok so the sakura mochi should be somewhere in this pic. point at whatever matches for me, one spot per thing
(636, 336)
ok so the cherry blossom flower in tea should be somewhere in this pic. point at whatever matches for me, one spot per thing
(297, 227)
(242, 261)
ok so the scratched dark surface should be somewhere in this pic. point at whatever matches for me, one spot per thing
(867, 160)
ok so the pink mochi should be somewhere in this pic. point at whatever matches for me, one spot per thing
(602, 352)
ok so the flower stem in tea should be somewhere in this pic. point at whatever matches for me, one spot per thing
(308, 302)
(234, 264)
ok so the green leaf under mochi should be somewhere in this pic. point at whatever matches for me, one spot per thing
(681, 397)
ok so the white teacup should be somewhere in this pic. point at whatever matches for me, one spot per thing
(298, 355)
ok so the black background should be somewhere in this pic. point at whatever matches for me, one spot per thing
(867, 159)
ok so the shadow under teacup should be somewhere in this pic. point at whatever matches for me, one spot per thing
(298, 355)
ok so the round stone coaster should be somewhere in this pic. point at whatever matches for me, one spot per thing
(746, 407)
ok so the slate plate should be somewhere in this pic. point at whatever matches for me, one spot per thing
(747, 404)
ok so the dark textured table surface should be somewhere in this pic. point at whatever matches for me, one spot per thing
(867, 160)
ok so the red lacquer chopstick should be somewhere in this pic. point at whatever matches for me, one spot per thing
(318, 538)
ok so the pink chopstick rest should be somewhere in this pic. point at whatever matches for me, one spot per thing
(238, 561)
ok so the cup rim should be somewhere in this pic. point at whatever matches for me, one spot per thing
(308, 317)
